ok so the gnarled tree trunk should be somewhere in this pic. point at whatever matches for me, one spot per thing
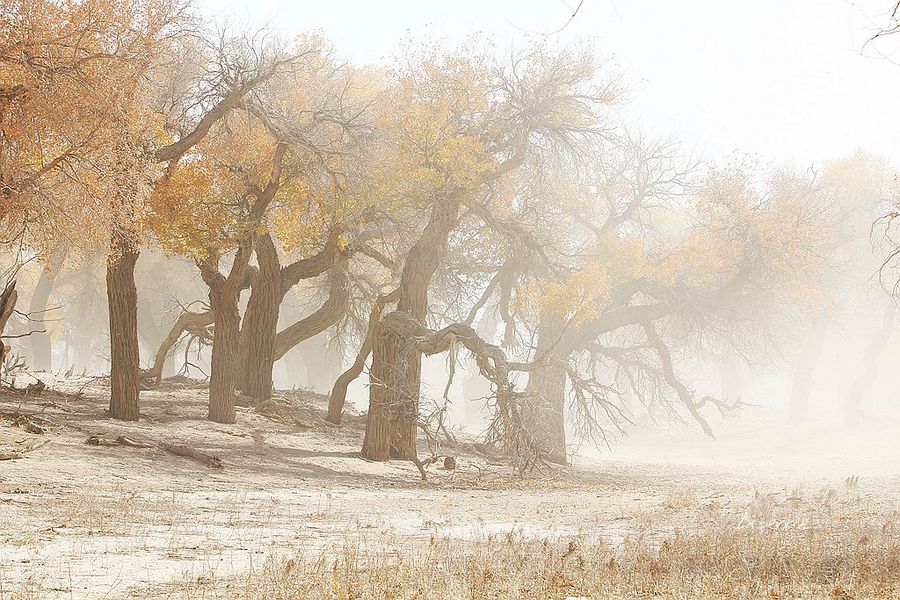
(7, 305)
(123, 336)
(339, 392)
(395, 376)
(546, 392)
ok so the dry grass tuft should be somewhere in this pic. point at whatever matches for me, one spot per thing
(831, 557)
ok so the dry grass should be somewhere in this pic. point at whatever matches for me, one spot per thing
(772, 550)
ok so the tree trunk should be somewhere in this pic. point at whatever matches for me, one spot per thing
(123, 336)
(41, 347)
(257, 335)
(339, 391)
(803, 375)
(857, 394)
(7, 305)
(226, 339)
(546, 393)
(395, 377)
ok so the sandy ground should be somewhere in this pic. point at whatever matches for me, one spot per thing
(80, 521)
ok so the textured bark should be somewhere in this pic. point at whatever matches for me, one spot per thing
(858, 391)
(395, 384)
(339, 392)
(261, 344)
(257, 352)
(224, 297)
(803, 375)
(123, 336)
(546, 392)
(226, 337)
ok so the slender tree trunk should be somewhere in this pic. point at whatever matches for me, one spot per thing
(258, 331)
(226, 339)
(395, 377)
(8, 299)
(123, 336)
(546, 392)
(858, 391)
(803, 375)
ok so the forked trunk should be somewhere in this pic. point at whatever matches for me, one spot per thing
(121, 292)
(41, 347)
(257, 335)
(396, 374)
(226, 339)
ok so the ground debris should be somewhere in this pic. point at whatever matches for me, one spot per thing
(15, 453)
(210, 460)
(30, 423)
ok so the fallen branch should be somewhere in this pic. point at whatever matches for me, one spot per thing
(212, 461)
(30, 423)
(18, 453)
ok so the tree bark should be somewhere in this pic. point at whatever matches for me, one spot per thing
(339, 392)
(395, 378)
(261, 343)
(257, 352)
(226, 338)
(803, 375)
(123, 336)
(546, 392)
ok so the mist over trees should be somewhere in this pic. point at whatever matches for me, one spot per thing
(179, 200)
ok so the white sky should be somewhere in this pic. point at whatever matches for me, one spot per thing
(784, 79)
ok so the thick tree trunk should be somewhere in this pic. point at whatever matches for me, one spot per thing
(803, 375)
(395, 377)
(858, 391)
(123, 336)
(546, 393)
(226, 339)
(257, 352)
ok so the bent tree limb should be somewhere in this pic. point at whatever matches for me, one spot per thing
(339, 392)
(194, 323)
(684, 394)
(327, 315)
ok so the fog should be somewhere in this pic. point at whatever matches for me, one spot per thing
(420, 299)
